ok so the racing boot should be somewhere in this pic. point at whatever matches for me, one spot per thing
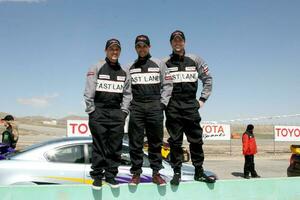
(254, 175)
(112, 182)
(246, 176)
(158, 180)
(201, 176)
(176, 179)
(135, 180)
(97, 184)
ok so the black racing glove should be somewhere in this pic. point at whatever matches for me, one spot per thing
(124, 114)
(92, 113)
(163, 106)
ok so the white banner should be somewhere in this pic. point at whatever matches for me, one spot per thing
(287, 133)
(80, 128)
(216, 131)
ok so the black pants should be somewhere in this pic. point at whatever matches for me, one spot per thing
(249, 166)
(183, 117)
(107, 129)
(145, 117)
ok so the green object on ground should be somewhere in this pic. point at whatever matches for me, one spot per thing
(256, 189)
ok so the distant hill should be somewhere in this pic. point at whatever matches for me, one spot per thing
(63, 121)
(73, 117)
(265, 123)
(41, 119)
(3, 114)
(38, 120)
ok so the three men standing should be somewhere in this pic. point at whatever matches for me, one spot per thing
(149, 87)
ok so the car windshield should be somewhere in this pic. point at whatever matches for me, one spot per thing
(29, 148)
(68, 154)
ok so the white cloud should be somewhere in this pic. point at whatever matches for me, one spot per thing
(23, 1)
(41, 102)
(51, 96)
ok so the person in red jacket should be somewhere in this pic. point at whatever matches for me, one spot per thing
(249, 150)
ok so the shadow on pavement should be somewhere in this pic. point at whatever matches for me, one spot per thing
(238, 174)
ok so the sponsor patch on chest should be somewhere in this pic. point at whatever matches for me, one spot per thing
(153, 69)
(145, 78)
(135, 70)
(184, 76)
(192, 68)
(173, 69)
(104, 76)
(121, 78)
(109, 86)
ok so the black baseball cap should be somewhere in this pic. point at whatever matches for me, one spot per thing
(250, 127)
(111, 42)
(8, 118)
(177, 33)
(144, 39)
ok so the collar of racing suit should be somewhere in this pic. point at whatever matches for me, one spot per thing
(177, 57)
(113, 65)
(143, 60)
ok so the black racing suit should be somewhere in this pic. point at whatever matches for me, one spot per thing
(150, 87)
(182, 112)
(103, 97)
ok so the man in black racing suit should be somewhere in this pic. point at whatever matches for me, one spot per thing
(103, 97)
(182, 114)
(150, 88)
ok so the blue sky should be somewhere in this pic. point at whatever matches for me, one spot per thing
(251, 47)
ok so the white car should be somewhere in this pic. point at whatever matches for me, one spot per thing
(68, 161)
